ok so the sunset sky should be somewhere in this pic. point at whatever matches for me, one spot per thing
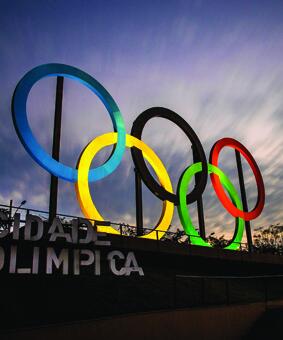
(218, 64)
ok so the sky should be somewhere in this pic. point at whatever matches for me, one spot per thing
(218, 64)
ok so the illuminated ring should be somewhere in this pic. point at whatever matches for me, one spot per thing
(184, 215)
(140, 164)
(25, 134)
(236, 212)
(82, 186)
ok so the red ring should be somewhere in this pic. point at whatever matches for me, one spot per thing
(227, 203)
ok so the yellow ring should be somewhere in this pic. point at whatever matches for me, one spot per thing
(82, 186)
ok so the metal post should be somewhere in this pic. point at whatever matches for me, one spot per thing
(199, 201)
(265, 291)
(10, 208)
(56, 147)
(203, 291)
(244, 199)
(175, 292)
(227, 292)
(139, 213)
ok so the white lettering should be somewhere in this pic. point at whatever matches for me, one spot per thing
(52, 258)
(57, 225)
(131, 265)
(112, 262)
(33, 220)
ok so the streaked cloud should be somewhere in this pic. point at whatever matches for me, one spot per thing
(217, 66)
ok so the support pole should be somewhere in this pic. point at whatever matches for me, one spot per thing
(10, 209)
(139, 213)
(56, 147)
(201, 221)
(244, 199)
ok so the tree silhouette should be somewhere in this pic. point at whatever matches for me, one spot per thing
(269, 239)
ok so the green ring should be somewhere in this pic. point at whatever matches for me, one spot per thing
(183, 211)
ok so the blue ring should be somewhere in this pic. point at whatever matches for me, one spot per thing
(28, 140)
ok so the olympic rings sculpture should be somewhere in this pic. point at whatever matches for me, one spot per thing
(82, 175)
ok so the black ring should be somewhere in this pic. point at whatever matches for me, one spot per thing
(140, 164)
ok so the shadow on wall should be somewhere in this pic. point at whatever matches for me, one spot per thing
(268, 326)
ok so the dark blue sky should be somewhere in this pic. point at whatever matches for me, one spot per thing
(216, 63)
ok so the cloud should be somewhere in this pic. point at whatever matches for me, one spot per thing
(223, 79)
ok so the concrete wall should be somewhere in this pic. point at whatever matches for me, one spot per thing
(230, 322)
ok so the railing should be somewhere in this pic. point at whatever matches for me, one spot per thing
(195, 290)
(123, 228)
